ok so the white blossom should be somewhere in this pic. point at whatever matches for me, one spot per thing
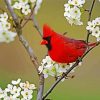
(5, 25)
(2, 95)
(40, 69)
(27, 94)
(26, 9)
(73, 15)
(67, 10)
(96, 32)
(10, 98)
(16, 91)
(24, 6)
(80, 63)
(46, 73)
(63, 68)
(3, 17)
(14, 82)
(94, 28)
(27, 85)
(32, 86)
(17, 5)
(78, 3)
(90, 26)
(73, 12)
(7, 36)
(96, 21)
(74, 21)
(9, 88)
(50, 68)
(98, 38)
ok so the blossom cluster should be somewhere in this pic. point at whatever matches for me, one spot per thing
(25, 6)
(94, 28)
(5, 34)
(17, 90)
(73, 11)
(50, 68)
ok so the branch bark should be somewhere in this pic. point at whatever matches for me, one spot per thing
(36, 25)
(41, 80)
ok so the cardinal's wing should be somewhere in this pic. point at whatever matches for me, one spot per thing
(73, 47)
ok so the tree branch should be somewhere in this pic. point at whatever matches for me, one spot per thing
(21, 38)
(26, 21)
(89, 18)
(41, 80)
(68, 71)
(36, 25)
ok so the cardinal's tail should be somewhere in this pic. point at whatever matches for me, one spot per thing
(92, 44)
(47, 31)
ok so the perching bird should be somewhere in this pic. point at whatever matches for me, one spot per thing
(63, 49)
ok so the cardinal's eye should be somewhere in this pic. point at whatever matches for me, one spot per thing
(47, 38)
(44, 38)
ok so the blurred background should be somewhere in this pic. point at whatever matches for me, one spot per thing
(15, 62)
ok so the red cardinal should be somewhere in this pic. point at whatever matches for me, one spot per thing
(63, 49)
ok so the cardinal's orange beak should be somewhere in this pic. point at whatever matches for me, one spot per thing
(44, 42)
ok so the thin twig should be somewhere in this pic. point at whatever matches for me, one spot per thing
(65, 33)
(91, 9)
(89, 18)
(68, 71)
(86, 10)
(21, 38)
(27, 20)
(36, 25)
